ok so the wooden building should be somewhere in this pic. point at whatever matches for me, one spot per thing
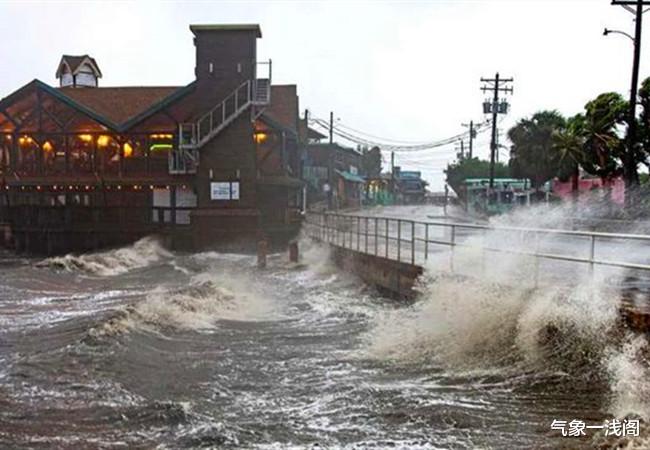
(333, 174)
(212, 163)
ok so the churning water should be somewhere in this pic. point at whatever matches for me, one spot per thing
(140, 347)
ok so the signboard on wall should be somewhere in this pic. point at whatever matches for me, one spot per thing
(224, 190)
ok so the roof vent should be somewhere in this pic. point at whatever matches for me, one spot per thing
(78, 71)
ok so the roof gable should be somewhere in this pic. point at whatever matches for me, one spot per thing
(132, 105)
(75, 63)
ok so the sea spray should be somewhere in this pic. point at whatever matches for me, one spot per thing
(481, 310)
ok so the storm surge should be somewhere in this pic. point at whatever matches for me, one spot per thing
(142, 253)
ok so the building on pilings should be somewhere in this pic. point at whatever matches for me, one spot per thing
(214, 163)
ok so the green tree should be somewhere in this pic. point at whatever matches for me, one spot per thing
(533, 153)
(459, 171)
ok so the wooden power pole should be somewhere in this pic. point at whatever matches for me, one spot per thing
(630, 157)
(495, 85)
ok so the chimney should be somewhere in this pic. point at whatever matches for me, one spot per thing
(226, 56)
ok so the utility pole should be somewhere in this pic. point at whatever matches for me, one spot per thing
(461, 154)
(472, 135)
(392, 172)
(330, 168)
(495, 85)
(331, 127)
(629, 163)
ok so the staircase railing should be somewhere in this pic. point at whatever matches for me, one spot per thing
(193, 135)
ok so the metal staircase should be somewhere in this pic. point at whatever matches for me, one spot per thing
(192, 136)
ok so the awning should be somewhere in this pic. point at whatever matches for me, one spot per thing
(347, 176)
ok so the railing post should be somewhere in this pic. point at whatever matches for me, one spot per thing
(413, 243)
(376, 237)
(536, 261)
(426, 241)
(399, 239)
(386, 249)
(592, 254)
(351, 227)
(366, 233)
(453, 245)
(358, 233)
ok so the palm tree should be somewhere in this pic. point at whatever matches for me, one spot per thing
(569, 148)
(603, 146)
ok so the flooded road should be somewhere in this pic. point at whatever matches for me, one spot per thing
(141, 348)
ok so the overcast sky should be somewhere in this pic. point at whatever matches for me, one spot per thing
(405, 71)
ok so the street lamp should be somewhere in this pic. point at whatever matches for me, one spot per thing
(608, 31)
(629, 158)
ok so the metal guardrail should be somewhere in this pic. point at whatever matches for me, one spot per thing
(386, 237)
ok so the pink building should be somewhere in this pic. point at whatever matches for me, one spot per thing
(564, 189)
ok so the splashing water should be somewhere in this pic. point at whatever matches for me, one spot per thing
(492, 315)
(142, 253)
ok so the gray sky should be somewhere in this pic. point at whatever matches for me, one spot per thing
(401, 70)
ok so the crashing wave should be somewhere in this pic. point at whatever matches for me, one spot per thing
(142, 253)
(198, 306)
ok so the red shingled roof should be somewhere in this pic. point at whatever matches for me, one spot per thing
(118, 104)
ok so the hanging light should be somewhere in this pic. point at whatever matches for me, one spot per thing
(86, 137)
(260, 136)
(48, 147)
(128, 150)
(24, 140)
(103, 140)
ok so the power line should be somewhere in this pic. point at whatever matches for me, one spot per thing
(355, 138)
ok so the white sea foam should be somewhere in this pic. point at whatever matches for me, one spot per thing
(142, 253)
(207, 299)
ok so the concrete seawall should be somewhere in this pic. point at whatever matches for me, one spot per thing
(393, 277)
(397, 279)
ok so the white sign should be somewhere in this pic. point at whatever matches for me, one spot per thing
(234, 190)
(224, 190)
(220, 191)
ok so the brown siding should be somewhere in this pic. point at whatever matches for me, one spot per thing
(225, 50)
(231, 150)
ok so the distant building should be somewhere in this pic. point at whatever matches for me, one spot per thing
(332, 174)
(409, 186)
(588, 187)
(215, 162)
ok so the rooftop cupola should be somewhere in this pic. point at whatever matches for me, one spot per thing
(78, 71)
